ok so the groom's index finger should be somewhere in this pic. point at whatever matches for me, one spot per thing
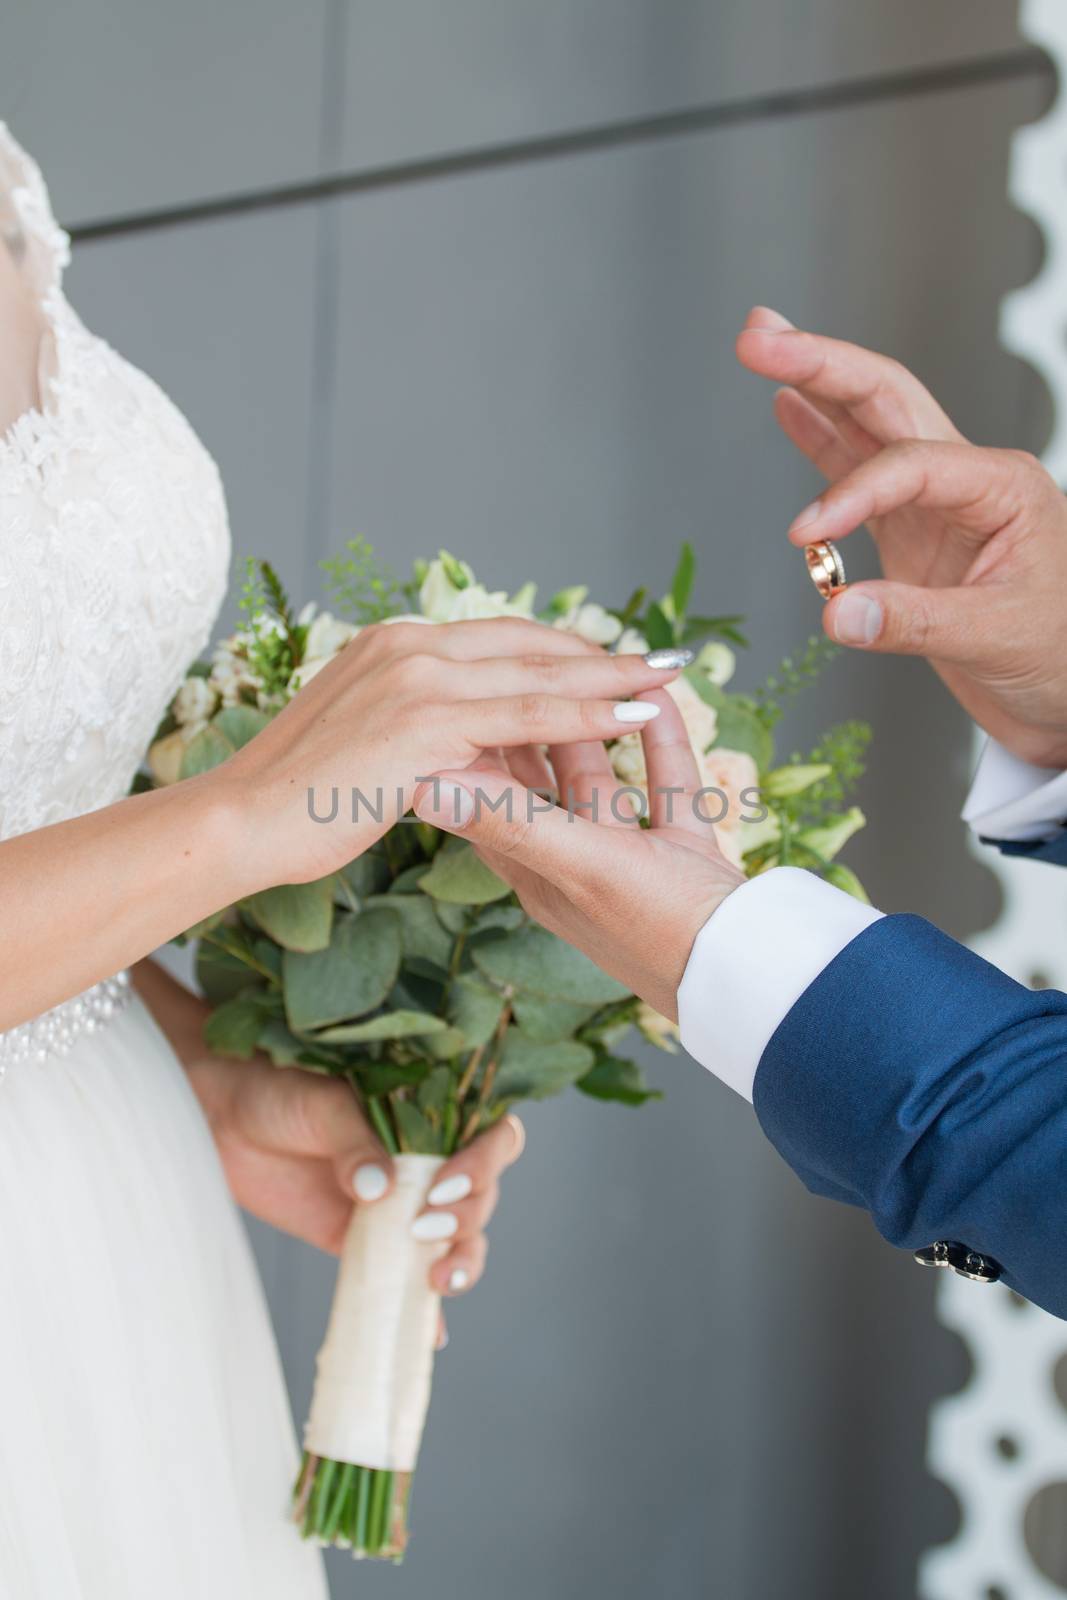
(881, 395)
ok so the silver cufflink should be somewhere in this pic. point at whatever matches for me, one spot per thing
(960, 1259)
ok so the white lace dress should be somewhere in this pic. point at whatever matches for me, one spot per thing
(146, 1447)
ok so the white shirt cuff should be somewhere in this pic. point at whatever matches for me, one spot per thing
(751, 962)
(1010, 799)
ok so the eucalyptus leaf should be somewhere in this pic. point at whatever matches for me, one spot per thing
(530, 1071)
(283, 1047)
(407, 882)
(298, 916)
(622, 1081)
(389, 1025)
(546, 1020)
(239, 724)
(474, 1008)
(234, 1027)
(424, 937)
(534, 960)
(368, 874)
(454, 919)
(205, 925)
(206, 750)
(220, 974)
(349, 978)
(505, 917)
(458, 877)
(444, 1046)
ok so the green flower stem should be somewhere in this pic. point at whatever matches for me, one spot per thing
(361, 1508)
(376, 1112)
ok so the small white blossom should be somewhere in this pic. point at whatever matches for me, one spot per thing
(442, 600)
(195, 701)
(307, 614)
(437, 593)
(632, 643)
(718, 662)
(230, 672)
(590, 622)
(326, 636)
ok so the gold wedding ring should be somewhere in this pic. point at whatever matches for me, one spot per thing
(825, 568)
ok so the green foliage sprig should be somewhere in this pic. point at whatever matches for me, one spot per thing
(364, 588)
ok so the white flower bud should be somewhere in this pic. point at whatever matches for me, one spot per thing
(195, 701)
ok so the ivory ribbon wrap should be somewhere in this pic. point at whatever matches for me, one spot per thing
(372, 1386)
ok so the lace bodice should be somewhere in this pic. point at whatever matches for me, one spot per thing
(114, 550)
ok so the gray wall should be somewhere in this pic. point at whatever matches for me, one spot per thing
(509, 332)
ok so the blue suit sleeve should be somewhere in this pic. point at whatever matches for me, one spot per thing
(1053, 851)
(914, 1079)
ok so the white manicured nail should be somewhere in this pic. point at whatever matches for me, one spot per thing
(458, 1280)
(449, 1190)
(434, 1225)
(635, 711)
(370, 1182)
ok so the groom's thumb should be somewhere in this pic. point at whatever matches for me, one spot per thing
(959, 625)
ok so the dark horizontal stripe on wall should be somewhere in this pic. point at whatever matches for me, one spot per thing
(1027, 62)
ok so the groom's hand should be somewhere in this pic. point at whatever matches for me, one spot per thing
(632, 898)
(973, 542)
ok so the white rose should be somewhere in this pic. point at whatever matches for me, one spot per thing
(326, 636)
(590, 622)
(632, 643)
(730, 772)
(656, 1028)
(195, 701)
(718, 662)
(701, 720)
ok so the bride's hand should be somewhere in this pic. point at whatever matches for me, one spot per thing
(297, 1150)
(400, 702)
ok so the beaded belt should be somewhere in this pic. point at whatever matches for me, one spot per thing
(55, 1032)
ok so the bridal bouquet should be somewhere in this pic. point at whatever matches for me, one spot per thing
(415, 975)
